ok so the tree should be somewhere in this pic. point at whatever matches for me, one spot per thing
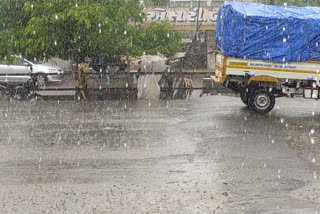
(157, 38)
(73, 29)
(12, 23)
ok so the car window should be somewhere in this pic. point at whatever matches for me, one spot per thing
(19, 62)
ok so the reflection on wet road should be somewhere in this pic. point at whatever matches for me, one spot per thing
(204, 155)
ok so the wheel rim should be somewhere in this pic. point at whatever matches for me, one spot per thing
(262, 101)
(41, 80)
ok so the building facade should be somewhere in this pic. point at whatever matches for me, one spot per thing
(198, 24)
(206, 3)
(193, 3)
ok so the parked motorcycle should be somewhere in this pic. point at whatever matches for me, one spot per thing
(20, 92)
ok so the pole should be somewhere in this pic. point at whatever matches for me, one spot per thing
(197, 28)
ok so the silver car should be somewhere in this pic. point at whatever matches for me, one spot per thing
(22, 70)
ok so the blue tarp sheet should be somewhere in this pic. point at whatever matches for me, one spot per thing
(269, 32)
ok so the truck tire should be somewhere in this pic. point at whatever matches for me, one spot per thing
(244, 96)
(261, 101)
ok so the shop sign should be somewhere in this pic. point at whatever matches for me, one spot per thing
(161, 14)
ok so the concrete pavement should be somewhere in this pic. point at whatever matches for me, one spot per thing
(204, 155)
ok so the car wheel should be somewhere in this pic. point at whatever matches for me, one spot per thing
(261, 101)
(244, 96)
(41, 80)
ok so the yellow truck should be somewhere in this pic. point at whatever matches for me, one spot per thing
(259, 82)
(268, 51)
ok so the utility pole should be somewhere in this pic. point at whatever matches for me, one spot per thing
(197, 28)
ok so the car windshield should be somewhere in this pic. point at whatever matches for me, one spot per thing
(31, 62)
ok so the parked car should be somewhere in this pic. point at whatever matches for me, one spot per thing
(22, 70)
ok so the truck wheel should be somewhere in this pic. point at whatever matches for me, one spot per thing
(244, 96)
(261, 101)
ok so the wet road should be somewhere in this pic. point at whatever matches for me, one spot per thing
(204, 155)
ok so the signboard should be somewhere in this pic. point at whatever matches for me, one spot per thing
(184, 16)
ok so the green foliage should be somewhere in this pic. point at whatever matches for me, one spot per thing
(12, 22)
(159, 37)
(299, 3)
(71, 28)
(157, 2)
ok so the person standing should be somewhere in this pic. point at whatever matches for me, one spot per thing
(81, 82)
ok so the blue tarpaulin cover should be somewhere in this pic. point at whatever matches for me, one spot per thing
(269, 32)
